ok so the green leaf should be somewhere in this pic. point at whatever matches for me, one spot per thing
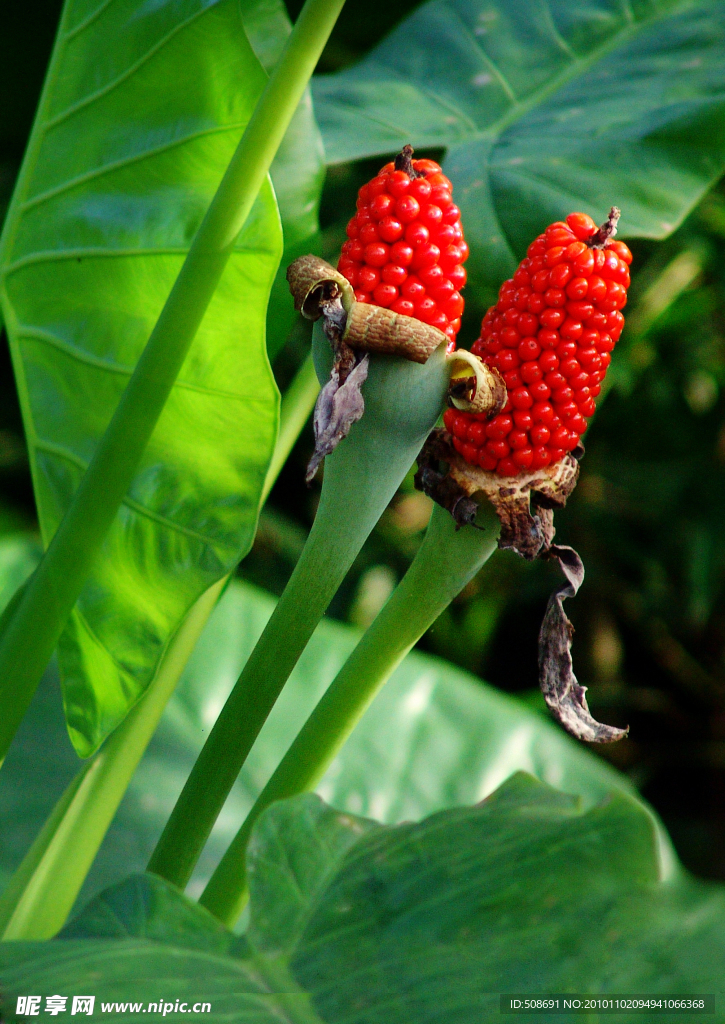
(141, 111)
(147, 907)
(158, 953)
(434, 737)
(544, 108)
(291, 876)
(298, 171)
(356, 923)
(523, 893)
(146, 978)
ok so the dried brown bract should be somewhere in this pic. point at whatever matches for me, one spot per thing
(356, 329)
(525, 506)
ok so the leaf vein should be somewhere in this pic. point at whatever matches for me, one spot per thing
(126, 161)
(61, 452)
(120, 79)
(60, 255)
(79, 354)
(88, 20)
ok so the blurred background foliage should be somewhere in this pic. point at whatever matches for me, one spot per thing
(646, 516)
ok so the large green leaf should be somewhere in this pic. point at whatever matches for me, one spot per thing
(435, 737)
(544, 108)
(142, 108)
(148, 907)
(146, 978)
(524, 893)
(352, 922)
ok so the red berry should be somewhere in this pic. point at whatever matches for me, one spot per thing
(377, 254)
(521, 398)
(385, 295)
(405, 245)
(621, 250)
(540, 434)
(397, 183)
(552, 319)
(551, 334)
(499, 427)
(448, 419)
(523, 420)
(368, 278)
(531, 372)
(404, 306)
(420, 188)
(368, 233)
(540, 391)
(477, 433)
(518, 439)
(499, 449)
(582, 225)
(407, 209)
(390, 229)
(507, 467)
(412, 288)
(542, 458)
(523, 457)
(381, 205)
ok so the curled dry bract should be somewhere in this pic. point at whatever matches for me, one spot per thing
(355, 329)
(525, 506)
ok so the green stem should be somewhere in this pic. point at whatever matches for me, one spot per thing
(57, 863)
(445, 563)
(31, 636)
(402, 402)
(45, 886)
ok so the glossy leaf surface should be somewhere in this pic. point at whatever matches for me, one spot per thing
(524, 893)
(142, 109)
(544, 108)
(138, 974)
(352, 922)
(146, 906)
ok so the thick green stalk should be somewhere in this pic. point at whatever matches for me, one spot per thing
(31, 636)
(52, 872)
(445, 563)
(44, 888)
(402, 402)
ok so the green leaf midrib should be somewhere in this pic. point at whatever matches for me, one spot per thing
(519, 109)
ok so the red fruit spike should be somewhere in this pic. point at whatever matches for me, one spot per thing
(406, 245)
(550, 334)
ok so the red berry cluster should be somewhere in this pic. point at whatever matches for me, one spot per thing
(405, 249)
(551, 335)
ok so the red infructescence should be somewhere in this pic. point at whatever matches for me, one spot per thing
(550, 335)
(405, 249)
